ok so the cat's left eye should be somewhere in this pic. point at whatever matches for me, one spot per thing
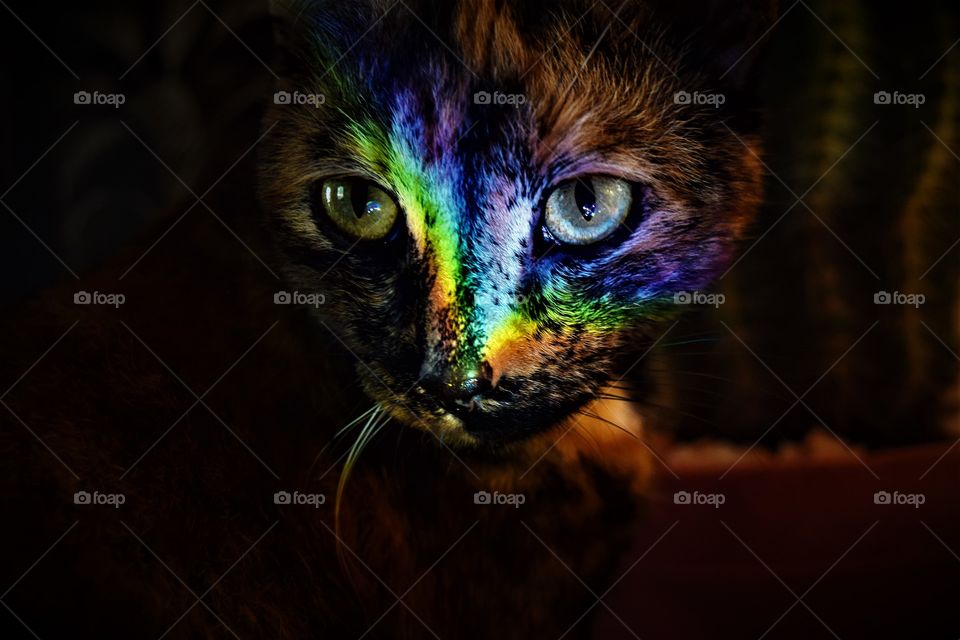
(587, 210)
(359, 208)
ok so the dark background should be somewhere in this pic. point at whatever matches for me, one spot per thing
(195, 93)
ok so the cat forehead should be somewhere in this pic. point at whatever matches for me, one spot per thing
(504, 38)
(524, 90)
(464, 86)
(473, 30)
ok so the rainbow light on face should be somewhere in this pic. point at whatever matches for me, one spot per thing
(430, 194)
(470, 229)
(426, 194)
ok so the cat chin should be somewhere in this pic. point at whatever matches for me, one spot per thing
(452, 432)
(493, 427)
(448, 428)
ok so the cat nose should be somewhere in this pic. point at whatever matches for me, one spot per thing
(458, 394)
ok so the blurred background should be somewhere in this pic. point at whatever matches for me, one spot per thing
(193, 78)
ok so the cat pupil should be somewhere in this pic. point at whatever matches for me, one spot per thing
(586, 200)
(360, 199)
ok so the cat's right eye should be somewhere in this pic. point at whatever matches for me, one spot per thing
(587, 210)
(359, 208)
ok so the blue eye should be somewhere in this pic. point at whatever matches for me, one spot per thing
(587, 210)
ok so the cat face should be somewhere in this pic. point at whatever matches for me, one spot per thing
(500, 200)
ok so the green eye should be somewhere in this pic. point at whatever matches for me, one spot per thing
(359, 208)
(587, 210)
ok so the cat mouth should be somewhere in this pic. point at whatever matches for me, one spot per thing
(463, 422)
(478, 416)
(449, 428)
(481, 422)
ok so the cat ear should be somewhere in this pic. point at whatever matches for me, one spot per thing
(306, 29)
(286, 12)
(299, 26)
(726, 35)
(288, 34)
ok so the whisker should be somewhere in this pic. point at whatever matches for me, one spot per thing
(686, 372)
(695, 334)
(339, 433)
(674, 410)
(685, 388)
(586, 436)
(666, 373)
(590, 414)
(644, 404)
(665, 345)
(708, 403)
(356, 420)
(377, 420)
(712, 353)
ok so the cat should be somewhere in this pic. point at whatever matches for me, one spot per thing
(491, 206)
(477, 310)
(491, 210)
